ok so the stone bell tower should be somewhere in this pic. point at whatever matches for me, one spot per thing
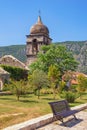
(39, 35)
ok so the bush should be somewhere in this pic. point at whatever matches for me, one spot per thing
(62, 86)
(6, 87)
(74, 88)
(69, 96)
(46, 91)
(16, 73)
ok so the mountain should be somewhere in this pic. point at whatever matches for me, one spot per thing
(82, 57)
(74, 46)
(78, 48)
(17, 51)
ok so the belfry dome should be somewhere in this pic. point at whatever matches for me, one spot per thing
(39, 27)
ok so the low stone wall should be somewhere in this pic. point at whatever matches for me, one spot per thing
(32, 124)
(36, 122)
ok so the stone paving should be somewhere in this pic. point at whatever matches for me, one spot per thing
(72, 124)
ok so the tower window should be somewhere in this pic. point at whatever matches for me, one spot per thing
(34, 46)
(34, 40)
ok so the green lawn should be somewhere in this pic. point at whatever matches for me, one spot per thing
(13, 111)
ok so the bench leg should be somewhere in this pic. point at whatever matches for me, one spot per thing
(75, 117)
(62, 122)
(54, 118)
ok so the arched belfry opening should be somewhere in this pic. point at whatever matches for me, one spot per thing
(39, 35)
(34, 46)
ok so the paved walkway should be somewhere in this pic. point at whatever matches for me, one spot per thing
(80, 124)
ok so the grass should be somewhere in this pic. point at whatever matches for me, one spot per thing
(13, 111)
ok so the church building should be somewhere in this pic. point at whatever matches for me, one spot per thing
(39, 35)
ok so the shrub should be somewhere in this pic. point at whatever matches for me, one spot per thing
(6, 87)
(46, 91)
(69, 96)
(62, 86)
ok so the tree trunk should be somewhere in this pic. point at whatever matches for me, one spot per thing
(38, 93)
(18, 97)
(54, 93)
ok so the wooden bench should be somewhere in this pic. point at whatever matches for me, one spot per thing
(61, 110)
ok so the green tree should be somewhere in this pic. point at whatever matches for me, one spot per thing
(56, 55)
(38, 79)
(54, 76)
(82, 84)
(67, 78)
(19, 87)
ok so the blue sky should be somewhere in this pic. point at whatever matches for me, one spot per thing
(66, 19)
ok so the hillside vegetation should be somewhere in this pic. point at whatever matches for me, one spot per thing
(17, 51)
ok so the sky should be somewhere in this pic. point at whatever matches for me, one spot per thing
(65, 19)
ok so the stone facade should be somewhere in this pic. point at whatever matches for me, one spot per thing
(39, 35)
(4, 76)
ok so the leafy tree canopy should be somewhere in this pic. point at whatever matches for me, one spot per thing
(82, 83)
(56, 55)
(54, 77)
